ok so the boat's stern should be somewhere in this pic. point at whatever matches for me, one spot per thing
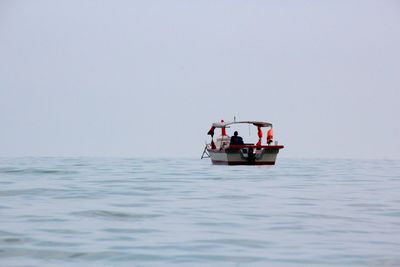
(245, 155)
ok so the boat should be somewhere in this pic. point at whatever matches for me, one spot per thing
(222, 152)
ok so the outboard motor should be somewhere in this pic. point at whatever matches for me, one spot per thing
(248, 154)
(251, 158)
(244, 153)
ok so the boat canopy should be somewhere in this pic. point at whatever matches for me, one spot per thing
(255, 123)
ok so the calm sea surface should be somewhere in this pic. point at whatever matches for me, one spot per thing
(168, 212)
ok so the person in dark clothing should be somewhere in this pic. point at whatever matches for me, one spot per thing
(236, 139)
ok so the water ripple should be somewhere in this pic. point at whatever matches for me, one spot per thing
(113, 214)
(168, 212)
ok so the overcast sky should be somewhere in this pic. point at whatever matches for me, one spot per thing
(147, 78)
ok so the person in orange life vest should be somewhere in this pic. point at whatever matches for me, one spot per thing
(236, 139)
(270, 136)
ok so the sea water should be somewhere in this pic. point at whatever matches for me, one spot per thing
(169, 212)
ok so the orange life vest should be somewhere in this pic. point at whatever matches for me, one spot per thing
(270, 135)
(259, 132)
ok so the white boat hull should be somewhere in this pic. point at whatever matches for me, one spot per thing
(245, 156)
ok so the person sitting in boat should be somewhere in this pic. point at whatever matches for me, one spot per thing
(236, 139)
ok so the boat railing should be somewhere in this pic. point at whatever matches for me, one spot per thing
(255, 146)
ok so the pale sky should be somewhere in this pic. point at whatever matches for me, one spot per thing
(147, 78)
